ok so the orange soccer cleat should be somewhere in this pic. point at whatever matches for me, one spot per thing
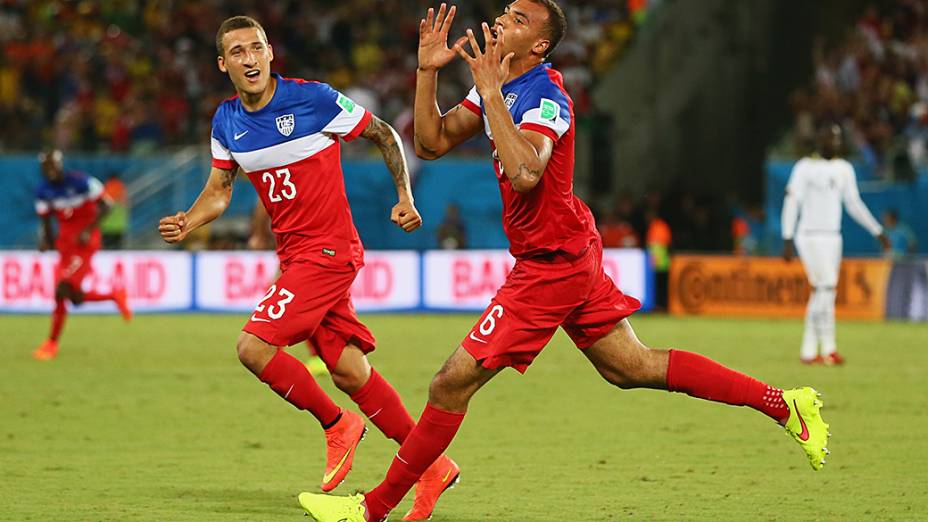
(341, 440)
(818, 359)
(47, 351)
(833, 359)
(441, 476)
(119, 296)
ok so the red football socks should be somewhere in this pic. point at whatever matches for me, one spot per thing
(383, 406)
(425, 443)
(59, 314)
(291, 380)
(97, 296)
(701, 377)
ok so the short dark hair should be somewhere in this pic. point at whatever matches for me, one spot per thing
(556, 25)
(231, 24)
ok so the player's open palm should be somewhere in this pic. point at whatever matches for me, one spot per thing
(173, 229)
(434, 52)
(488, 67)
(406, 216)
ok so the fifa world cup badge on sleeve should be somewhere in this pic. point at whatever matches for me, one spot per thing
(345, 103)
(549, 110)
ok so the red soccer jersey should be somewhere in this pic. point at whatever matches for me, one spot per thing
(73, 202)
(549, 218)
(291, 153)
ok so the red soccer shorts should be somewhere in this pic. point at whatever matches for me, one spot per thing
(539, 296)
(309, 301)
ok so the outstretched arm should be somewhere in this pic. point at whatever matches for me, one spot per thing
(211, 203)
(404, 213)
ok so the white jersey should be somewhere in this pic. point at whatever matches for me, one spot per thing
(816, 190)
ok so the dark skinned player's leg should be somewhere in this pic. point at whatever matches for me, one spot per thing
(627, 363)
(449, 394)
(64, 292)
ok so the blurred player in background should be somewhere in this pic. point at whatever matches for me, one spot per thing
(284, 134)
(78, 204)
(558, 279)
(817, 189)
(261, 237)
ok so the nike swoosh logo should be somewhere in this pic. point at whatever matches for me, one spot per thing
(237, 135)
(288, 391)
(259, 319)
(804, 435)
(328, 476)
(447, 475)
(479, 340)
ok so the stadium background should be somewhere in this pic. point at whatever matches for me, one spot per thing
(689, 118)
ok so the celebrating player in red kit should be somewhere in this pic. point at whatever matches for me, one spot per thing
(284, 134)
(558, 279)
(78, 204)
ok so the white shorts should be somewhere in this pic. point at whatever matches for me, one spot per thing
(821, 257)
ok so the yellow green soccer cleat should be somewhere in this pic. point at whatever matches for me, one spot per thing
(805, 424)
(331, 508)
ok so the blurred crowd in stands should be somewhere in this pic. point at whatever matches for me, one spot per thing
(137, 75)
(874, 82)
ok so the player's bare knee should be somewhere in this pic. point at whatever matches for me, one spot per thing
(253, 353)
(352, 370)
(349, 380)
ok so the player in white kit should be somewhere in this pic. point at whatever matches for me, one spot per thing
(818, 188)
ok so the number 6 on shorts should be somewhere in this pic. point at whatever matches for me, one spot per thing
(489, 323)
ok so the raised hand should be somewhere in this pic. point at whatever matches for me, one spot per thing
(490, 70)
(433, 39)
(406, 216)
(173, 229)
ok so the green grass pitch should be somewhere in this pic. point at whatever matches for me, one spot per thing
(157, 420)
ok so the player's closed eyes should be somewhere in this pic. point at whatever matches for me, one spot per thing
(518, 19)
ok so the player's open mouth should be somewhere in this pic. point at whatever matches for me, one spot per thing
(253, 74)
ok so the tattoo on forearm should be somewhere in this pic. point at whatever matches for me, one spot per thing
(524, 171)
(228, 178)
(382, 134)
